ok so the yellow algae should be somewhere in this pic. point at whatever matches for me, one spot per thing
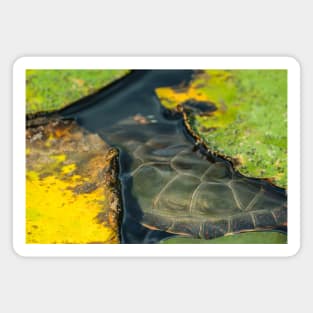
(67, 196)
(55, 214)
(59, 157)
(49, 140)
(68, 168)
(171, 98)
(76, 178)
(32, 175)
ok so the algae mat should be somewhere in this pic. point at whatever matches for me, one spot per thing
(248, 124)
(68, 179)
(48, 90)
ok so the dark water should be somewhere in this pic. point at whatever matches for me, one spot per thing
(168, 186)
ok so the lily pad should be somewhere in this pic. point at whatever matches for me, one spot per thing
(249, 120)
(71, 186)
(48, 90)
(266, 237)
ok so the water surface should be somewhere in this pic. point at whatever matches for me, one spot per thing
(168, 185)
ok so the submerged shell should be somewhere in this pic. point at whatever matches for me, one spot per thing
(180, 191)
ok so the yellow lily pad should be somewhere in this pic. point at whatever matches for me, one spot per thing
(68, 198)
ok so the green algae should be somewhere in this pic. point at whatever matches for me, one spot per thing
(48, 90)
(267, 237)
(250, 122)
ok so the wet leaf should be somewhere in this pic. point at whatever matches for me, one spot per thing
(266, 237)
(249, 124)
(48, 90)
(67, 186)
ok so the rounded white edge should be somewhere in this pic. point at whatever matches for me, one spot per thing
(294, 251)
(18, 250)
(164, 251)
(20, 63)
(30, 250)
(293, 62)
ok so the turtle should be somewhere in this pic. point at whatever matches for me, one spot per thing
(170, 184)
(181, 191)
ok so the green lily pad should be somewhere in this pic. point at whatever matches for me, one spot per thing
(268, 237)
(48, 90)
(249, 124)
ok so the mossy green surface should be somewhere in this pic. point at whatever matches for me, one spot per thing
(48, 90)
(250, 121)
(243, 238)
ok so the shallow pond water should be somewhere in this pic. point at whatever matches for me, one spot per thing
(168, 185)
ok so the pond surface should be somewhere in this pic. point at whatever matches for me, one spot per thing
(168, 184)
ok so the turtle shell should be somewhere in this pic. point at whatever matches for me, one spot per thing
(180, 191)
